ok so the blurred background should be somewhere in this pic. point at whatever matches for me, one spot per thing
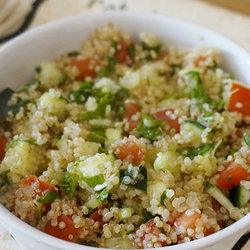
(228, 17)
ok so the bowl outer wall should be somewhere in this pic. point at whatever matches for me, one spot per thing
(19, 57)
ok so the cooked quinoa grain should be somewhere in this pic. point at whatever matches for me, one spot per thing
(127, 143)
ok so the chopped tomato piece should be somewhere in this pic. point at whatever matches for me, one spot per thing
(85, 66)
(96, 216)
(198, 61)
(3, 143)
(129, 151)
(67, 232)
(163, 115)
(122, 53)
(232, 175)
(209, 231)
(131, 109)
(154, 230)
(39, 187)
(239, 99)
(187, 221)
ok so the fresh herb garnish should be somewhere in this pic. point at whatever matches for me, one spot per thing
(148, 127)
(103, 195)
(4, 177)
(82, 93)
(97, 134)
(73, 53)
(192, 152)
(247, 139)
(163, 196)
(69, 184)
(94, 180)
(137, 177)
(131, 51)
(49, 197)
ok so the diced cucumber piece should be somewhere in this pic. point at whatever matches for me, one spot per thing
(192, 152)
(155, 187)
(118, 243)
(53, 105)
(49, 75)
(151, 155)
(112, 135)
(23, 157)
(217, 194)
(125, 213)
(93, 203)
(167, 161)
(89, 172)
(193, 127)
(94, 180)
(130, 80)
(239, 196)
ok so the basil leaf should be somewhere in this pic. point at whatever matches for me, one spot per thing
(95, 180)
(247, 139)
(49, 197)
(134, 180)
(4, 177)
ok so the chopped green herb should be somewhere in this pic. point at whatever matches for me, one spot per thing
(229, 177)
(38, 69)
(69, 184)
(39, 86)
(97, 134)
(112, 61)
(216, 147)
(192, 152)
(84, 90)
(114, 45)
(196, 124)
(137, 177)
(131, 51)
(13, 143)
(148, 127)
(103, 195)
(73, 53)
(147, 217)
(208, 184)
(175, 67)
(49, 197)
(4, 177)
(177, 95)
(103, 73)
(163, 197)
(247, 139)
(233, 152)
(95, 180)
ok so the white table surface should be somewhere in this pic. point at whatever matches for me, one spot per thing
(232, 24)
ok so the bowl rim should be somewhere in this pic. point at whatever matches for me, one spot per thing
(17, 224)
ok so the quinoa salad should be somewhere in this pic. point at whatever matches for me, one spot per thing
(127, 143)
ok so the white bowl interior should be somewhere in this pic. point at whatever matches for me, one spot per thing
(19, 57)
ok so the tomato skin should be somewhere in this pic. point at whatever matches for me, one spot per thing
(64, 233)
(39, 187)
(122, 53)
(130, 152)
(187, 221)
(84, 67)
(161, 115)
(153, 230)
(3, 143)
(131, 109)
(232, 175)
(239, 95)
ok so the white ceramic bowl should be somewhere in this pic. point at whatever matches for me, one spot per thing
(19, 57)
